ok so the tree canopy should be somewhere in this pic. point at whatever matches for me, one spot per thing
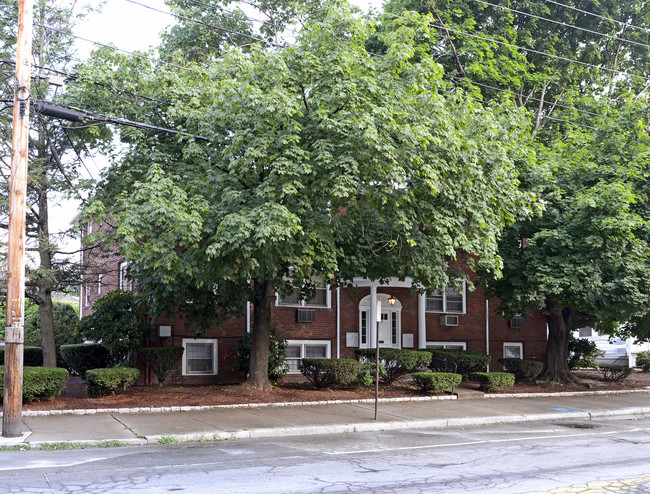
(321, 159)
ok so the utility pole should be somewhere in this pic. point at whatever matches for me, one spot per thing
(14, 330)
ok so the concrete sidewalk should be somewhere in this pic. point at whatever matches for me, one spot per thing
(267, 420)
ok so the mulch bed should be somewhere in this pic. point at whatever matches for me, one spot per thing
(74, 395)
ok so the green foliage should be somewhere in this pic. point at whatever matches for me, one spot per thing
(367, 374)
(32, 356)
(104, 382)
(583, 353)
(66, 326)
(525, 370)
(293, 134)
(119, 320)
(40, 383)
(396, 362)
(82, 357)
(327, 372)
(465, 361)
(277, 355)
(643, 361)
(493, 381)
(436, 382)
(615, 372)
(162, 359)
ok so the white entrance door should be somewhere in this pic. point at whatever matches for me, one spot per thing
(384, 331)
(389, 323)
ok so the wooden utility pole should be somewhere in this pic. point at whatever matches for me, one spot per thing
(14, 330)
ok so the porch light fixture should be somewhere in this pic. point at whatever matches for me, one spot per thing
(392, 300)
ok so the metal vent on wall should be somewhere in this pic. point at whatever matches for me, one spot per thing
(449, 320)
(517, 322)
(306, 315)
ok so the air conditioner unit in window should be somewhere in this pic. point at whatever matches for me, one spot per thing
(449, 320)
(306, 315)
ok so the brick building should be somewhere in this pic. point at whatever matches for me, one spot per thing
(337, 321)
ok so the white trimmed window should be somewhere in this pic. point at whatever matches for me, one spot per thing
(100, 280)
(585, 333)
(448, 300)
(447, 345)
(300, 349)
(199, 357)
(125, 282)
(513, 350)
(321, 298)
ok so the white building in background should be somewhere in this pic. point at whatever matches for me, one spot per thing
(616, 350)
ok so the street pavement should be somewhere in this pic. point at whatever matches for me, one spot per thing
(155, 425)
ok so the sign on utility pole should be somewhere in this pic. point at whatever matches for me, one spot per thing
(14, 330)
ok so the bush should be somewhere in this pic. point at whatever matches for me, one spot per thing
(40, 382)
(277, 355)
(82, 357)
(66, 325)
(582, 353)
(396, 362)
(524, 370)
(366, 376)
(32, 356)
(162, 359)
(615, 372)
(643, 361)
(436, 381)
(324, 372)
(119, 320)
(465, 362)
(103, 382)
(493, 381)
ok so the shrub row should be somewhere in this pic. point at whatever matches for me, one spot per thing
(436, 381)
(493, 381)
(524, 370)
(40, 382)
(103, 382)
(461, 361)
(323, 372)
(32, 356)
(643, 361)
(397, 363)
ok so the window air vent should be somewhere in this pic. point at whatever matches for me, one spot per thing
(516, 322)
(306, 315)
(449, 320)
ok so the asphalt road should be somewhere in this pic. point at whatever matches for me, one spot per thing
(552, 457)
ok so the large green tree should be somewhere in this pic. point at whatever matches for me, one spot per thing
(582, 74)
(320, 160)
(53, 168)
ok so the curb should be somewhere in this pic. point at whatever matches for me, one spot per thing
(94, 411)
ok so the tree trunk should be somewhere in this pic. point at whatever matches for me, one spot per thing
(557, 348)
(258, 376)
(44, 296)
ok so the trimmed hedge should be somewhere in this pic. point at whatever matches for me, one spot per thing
(493, 381)
(524, 370)
(436, 381)
(162, 359)
(615, 372)
(32, 356)
(82, 357)
(466, 362)
(396, 362)
(40, 382)
(103, 382)
(323, 372)
(643, 361)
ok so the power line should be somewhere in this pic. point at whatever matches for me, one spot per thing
(625, 24)
(564, 24)
(538, 52)
(218, 28)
